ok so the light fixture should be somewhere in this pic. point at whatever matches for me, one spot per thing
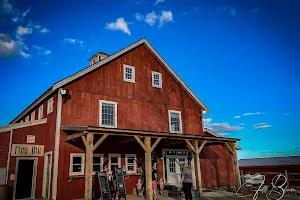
(204, 112)
(65, 93)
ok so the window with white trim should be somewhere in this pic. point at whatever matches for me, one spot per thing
(50, 106)
(108, 113)
(32, 116)
(129, 73)
(76, 164)
(114, 161)
(27, 119)
(41, 110)
(97, 162)
(130, 163)
(156, 80)
(175, 121)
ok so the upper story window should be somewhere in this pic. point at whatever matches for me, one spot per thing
(41, 110)
(50, 106)
(129, 73)
(76, 164)
(130, 163)
(114, 161)
(108, 114)
(32, 116)
(175, 122)
(156, 80)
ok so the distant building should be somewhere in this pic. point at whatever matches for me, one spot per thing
(272, 166)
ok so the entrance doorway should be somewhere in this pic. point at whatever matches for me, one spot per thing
(25, 178)
(47, 174)
(174, 168)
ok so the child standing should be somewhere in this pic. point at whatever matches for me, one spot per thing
(139, 188)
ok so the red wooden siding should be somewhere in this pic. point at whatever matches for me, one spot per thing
(4, 148)
(140, 106)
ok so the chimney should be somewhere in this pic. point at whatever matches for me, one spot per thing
(97, 57)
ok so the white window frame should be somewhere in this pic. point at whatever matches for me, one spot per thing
(82, 155)
(180, 121)
(27, 118)
(116, 114)
(109, 160)
(32, 116)
(133, 73)
(160, 79)
(50, 106)
(126, 163)
(101, 161)
(41, 112)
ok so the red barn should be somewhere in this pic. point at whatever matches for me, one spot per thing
(124, 107)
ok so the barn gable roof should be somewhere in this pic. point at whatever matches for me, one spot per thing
(271, 161)
(89, 69)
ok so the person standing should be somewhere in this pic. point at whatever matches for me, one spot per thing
(187, 181)
(154, 179)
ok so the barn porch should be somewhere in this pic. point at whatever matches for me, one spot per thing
(93, 137)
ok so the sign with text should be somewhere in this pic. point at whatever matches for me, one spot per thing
(27, 150)
(104, 187)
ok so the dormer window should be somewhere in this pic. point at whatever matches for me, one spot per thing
(156, 80)
(129, 73)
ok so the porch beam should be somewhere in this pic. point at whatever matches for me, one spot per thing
(141, 143)
(88, 194)
(96, 145)
(201, 146)
(228, 147)
(155, 143)
(235, 165)
(190, 146)
(75, 135)
(84, 140)
(148, 167)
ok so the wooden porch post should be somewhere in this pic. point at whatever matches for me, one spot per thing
(235, 165)
(146, 145)
(89, 167)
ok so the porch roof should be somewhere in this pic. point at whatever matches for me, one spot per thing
(71, 129)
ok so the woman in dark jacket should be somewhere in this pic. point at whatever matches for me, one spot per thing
(187, 181)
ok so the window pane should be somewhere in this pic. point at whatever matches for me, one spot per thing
(108, 114)
(76, 168)
(96, 160)
(130, 159)
(175, 123)
(76, 160)
(113, 166)
(96, 168)
(114, 160)
(130, 168)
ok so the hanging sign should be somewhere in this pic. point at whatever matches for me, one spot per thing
(27, 150)
(104, 187)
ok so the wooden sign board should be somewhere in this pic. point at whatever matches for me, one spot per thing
(120, 183)
(104, 187)
(27, 150)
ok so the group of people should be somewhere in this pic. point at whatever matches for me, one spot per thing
(186, 183)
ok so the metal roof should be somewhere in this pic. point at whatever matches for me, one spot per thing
(271, 161)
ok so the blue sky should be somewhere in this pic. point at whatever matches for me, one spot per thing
(241, 58)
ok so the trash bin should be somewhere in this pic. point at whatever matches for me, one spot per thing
(3, 192)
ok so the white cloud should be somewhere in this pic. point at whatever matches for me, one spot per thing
(230, 9)
(166, 16)
(23, 30)
(25, 55)
(262, 125)
(138, 17)
(26, 12)
(45, 30)
(151, 18)
(74, 41)
(19, 17)
(237, 117)
(224, 127)
(37, 26)
(69, 40)
(120, 24)
(41, 50)
(159, 1)
(7, 6)
(255, 113)
(287, 113)
(8, 46)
